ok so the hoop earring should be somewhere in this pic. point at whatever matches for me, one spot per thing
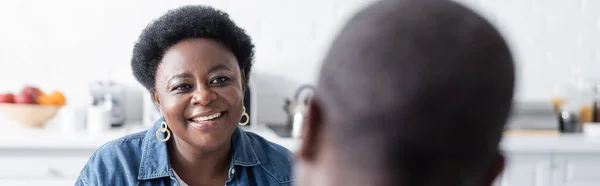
(244, 114)
(163, 128)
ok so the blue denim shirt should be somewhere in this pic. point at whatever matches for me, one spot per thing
(140, 159)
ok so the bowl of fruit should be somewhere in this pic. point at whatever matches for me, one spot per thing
(31, 107)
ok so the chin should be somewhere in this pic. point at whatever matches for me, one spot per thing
(207, 144)
(212, 135)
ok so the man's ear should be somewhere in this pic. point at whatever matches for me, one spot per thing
(156, 100)
(495, 170)
(311, 132)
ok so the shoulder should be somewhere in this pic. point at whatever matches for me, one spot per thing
(266, 147)
(274, 159)
(115, 162)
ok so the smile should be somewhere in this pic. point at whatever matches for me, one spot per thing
(206, 118)
(207, 122)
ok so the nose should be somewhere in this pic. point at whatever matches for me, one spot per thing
(203, 95)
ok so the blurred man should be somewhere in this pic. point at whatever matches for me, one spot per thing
(412, 92)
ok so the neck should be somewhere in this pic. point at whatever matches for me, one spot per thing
(195, 165)
(349, 177)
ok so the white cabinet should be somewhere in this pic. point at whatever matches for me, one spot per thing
(577, 169)
(41, 167)
(551, 169)
(526, 170)
(35, 166)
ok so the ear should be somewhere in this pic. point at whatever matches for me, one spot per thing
(311, 132)
(156, 100)
(495, 170)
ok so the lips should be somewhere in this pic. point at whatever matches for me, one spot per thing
(208, 121)
(206, 118)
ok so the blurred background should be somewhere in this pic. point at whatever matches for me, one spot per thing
(79, 51)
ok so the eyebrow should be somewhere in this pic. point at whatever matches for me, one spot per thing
(218, 67)
(211, 70)
(182, 75)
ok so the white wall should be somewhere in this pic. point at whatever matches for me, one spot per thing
(551, 39)
(64, 44)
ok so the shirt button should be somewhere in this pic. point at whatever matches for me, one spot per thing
(232, 171)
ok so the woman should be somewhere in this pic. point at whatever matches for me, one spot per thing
(195, 62)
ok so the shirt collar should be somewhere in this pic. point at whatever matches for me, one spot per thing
(154, 162)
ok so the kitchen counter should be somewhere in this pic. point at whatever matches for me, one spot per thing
(15, 137)
(290, 143)
(519, 141)
(549, 141)
(55, 158)
(50, 156)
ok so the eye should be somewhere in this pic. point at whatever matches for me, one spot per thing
(218, 80)
(182, 87)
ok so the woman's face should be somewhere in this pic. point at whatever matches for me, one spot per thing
(199, 92)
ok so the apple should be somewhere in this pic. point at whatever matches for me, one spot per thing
(33, 91)
(7, 98)
(25, 98)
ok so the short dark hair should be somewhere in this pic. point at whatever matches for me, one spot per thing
(192, 21)
(417, 89)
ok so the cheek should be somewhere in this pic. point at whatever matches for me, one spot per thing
(235, 99)
(172, 108)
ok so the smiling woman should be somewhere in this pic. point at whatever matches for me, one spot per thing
(195, 62)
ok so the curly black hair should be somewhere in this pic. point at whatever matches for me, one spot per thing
(192, 21)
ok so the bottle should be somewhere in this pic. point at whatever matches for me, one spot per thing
(558, 97)
(582, 97)
(596, 105)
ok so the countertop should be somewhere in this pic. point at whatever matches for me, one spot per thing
(549, 141)
(513, 141)
(16, 137)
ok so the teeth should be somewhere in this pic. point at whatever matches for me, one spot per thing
(205, 118)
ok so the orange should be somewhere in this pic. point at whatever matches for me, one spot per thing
(44, 99)
(58, 98)
(55, 98)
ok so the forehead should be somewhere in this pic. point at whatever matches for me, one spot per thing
(196, 54)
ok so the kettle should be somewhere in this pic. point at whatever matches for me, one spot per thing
(296, 109)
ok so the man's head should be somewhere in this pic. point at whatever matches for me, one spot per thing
(412, 92)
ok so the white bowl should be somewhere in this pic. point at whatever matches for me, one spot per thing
(29, 115)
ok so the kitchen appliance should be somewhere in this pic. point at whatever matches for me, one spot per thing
(296, 109)
(151, 112)
(99, 115)
(569, 122)
(102, 92)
